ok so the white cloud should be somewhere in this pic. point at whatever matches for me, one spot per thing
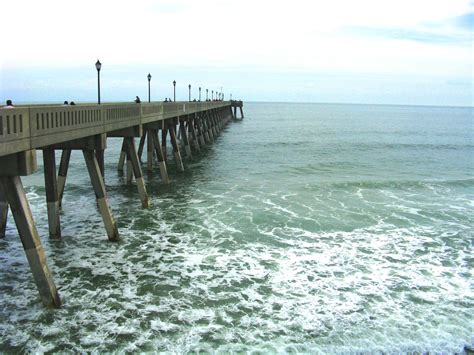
(298, 35)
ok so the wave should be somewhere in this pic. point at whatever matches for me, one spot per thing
(400, 184)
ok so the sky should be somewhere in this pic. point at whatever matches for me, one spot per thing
(417, 52)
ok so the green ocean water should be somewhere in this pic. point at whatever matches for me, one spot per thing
(316, 228)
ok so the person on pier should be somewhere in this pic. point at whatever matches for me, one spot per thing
(9, 104)
(137, 100)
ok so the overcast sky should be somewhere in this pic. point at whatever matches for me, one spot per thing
(365, 51)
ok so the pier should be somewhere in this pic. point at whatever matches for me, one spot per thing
(186, 126)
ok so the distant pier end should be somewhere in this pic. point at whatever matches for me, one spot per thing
(237, 104)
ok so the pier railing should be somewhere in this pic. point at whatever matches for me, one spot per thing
(31, 127)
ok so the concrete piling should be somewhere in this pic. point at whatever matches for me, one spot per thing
(137, 171)
(192, 127)
(123, 154)
(30, 239)
(51, 187)
(149, 153)
(100, 194)
(164, 133)
(3, 212)
(62, 173)
(141, 145)
(184, 137)
(160, 156)
(176, 152)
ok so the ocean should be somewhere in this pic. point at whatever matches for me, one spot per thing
(315, 228)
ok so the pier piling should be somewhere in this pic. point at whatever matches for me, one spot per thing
(3, 212)
(137, 171)
(160, 156)
(30, 239)
(100, 194)
(184, 137)
(62, 173)
(51, 187)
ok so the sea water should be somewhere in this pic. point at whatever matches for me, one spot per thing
(316, 228)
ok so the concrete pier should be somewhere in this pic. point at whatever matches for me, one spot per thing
(85, 128)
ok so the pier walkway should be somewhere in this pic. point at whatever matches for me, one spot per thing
(187, 126)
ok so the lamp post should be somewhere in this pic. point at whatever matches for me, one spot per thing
(189, 92)
(149, 79)
(199, 93)
(98, 65)
(212, 96)
(174, 90)
(207, 96)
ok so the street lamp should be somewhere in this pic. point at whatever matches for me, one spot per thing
(174, 90)
(199, 93)
(189, 89)
(149, 79)
(207, 92)
(98, 65)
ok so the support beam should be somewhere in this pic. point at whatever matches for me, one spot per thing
(164, 133)
(210, 126)
(100, 154)
(184, 137)
(200, 129)
(51, 188)
(192, 130)
(123, 154)
(62, 173)
(159, 154)
(149, 153)
(137, 171)
(3, 212)
(177, 154)
(215, 122)
(205, 129)
(30, 239)
(129, 170)
(100, 194)
(141, 145)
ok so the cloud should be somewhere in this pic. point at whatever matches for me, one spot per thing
(423, 36)
(465, 21)
(191, 41)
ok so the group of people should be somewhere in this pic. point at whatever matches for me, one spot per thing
(9, 103)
